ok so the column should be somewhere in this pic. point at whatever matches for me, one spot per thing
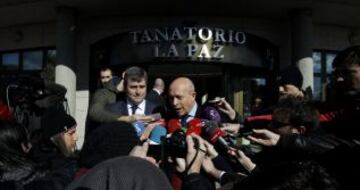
(302, 46)
(65, 71)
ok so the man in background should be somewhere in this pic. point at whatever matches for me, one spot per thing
(105, 75)
(156, 94)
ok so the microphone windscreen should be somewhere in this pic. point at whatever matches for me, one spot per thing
(213, 131)
(5, 112)
(156, 134)
(212, 114)
(210, 126)
(256, 122)
(173, 125)
(258, 118)
(194, 126)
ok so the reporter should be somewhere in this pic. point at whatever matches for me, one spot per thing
(264, 137)
(20, 172)
(194, 159)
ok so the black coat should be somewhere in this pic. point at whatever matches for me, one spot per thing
(155, 97)
(38, 178)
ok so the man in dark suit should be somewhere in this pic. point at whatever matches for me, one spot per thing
(182, 99)
(155, 94)
(134, 102)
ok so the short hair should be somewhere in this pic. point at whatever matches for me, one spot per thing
(295, 112)
(105, 68)
(136, 74)
(348, 56)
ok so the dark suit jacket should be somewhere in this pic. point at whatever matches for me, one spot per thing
(155, 97)
(121, 107)
(200, 113)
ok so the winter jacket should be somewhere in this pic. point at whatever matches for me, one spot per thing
(100, 99)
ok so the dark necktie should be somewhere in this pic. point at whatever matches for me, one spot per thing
(183, 120)
(133, 109)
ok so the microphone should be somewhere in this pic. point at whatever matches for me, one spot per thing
(212, 114)
(156, 134)
(254, 122)
(5, 112)
(139, 127)
(259, 118)
(173, 125)
(194, 126)
(155, 142)
(215, 134)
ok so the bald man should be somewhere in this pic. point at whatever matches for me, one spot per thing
(182, 98)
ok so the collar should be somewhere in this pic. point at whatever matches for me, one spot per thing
(192, 113)
(156, 90)
(140, 106)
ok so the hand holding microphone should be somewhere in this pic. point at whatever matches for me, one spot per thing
(175, 143)
(156, 134)
(150, 128)
(264, 137)
(231, 128)
(196, 151)
(244, 160)
(215, 134)
(224, 107)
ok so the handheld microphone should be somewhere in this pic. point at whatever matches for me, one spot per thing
(155, 142)
(139, 127)
(212, 114)
(194, 126)
(156, 134)
(215, 134)
(5, 112)
(259, 118)
(173, 125)
(254, 122)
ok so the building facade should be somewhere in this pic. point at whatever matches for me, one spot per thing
(233, 48)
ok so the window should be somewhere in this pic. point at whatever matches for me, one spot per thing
(32, 60)
(28, 60)
(10, 61)
(322, 70)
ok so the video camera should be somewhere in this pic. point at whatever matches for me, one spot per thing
(25, 90)
(174, 144)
